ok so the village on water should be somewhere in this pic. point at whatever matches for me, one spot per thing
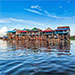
(61, 33)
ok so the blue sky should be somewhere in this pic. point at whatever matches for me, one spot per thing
(41, 13)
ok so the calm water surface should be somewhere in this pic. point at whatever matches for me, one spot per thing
(37, 58)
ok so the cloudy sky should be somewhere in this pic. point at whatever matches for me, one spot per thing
(36, 13)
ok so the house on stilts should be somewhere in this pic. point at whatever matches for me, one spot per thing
(38, 34)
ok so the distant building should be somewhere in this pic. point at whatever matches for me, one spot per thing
(62, 32)
(36, 33)
(48, 33)
(11, 34)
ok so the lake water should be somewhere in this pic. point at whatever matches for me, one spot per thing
(37, 58)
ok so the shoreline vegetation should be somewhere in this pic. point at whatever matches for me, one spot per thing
(72, 38)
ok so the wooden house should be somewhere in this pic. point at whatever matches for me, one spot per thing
(23, 34)
(11, 34)
(62, 32)
(38, 34)
(35, 32)
(48, 33)
(17, 33)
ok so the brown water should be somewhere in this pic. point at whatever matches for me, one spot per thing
(37, 57)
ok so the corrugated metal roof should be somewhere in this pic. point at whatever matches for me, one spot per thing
(23, 31)
(60, 29)
(11, 31)
(39, 29)
(48, 31)
(64, 27)
(34, 29)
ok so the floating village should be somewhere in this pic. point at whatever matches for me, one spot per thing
(61, 33)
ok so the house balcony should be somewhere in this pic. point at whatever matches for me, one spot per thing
(64, 32)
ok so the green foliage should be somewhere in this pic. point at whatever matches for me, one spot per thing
(72, 38)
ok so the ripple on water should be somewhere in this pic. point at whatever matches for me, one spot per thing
(38, 64)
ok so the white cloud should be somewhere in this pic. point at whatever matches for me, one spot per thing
(4, 20)
(22, 21)
(3, 31)
(34, 11)
(45, 12)
(41, 12)
(1, 21)
(49, 15)
(36, 7)
(17, 20)
(57, 17)
(26, 21)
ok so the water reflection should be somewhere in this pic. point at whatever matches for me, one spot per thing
(37, 57)
(60, 48)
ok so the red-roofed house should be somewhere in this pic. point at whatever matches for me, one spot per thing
(48, 33)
